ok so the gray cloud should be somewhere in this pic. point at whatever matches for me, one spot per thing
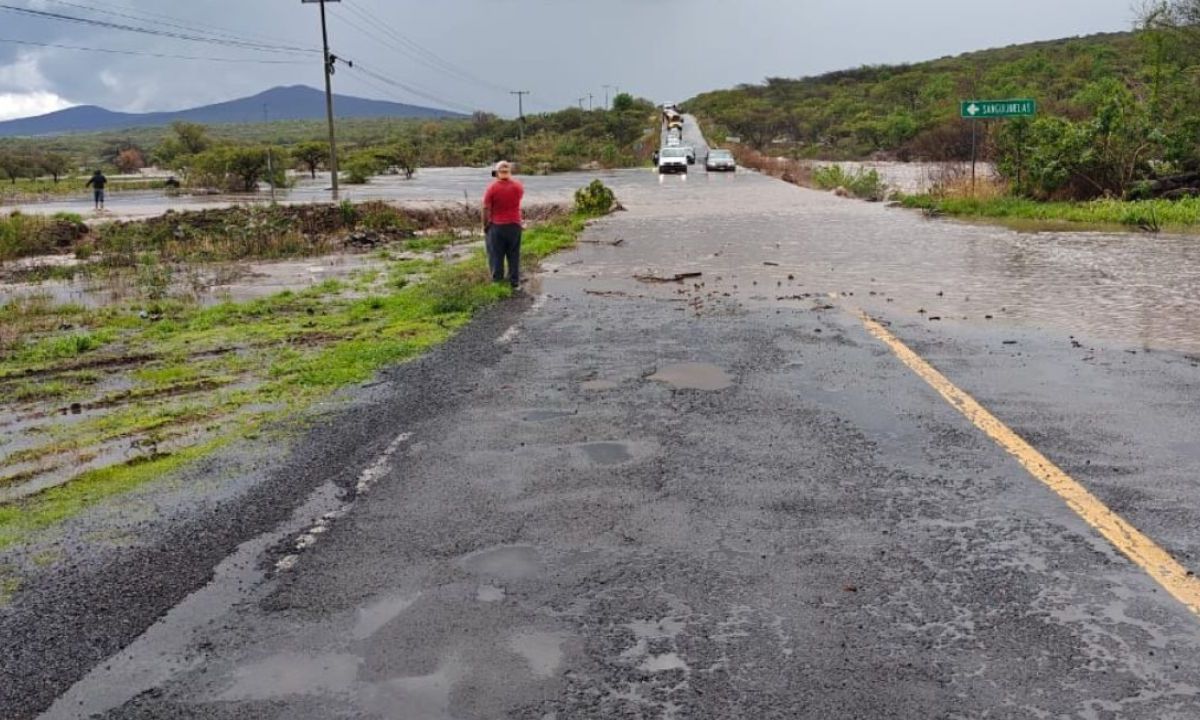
(559, 49)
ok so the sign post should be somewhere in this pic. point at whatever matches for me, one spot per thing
(973, 110)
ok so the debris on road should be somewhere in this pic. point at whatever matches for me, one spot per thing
(677, 277)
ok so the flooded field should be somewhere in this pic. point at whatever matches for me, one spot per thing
(108, 365)
(433, 186)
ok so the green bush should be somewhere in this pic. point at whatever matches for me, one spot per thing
(595, 199)
(864, 184)
(361, 166)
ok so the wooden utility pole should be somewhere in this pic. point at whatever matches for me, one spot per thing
(329, 60)
(270, 164)
(520, 109)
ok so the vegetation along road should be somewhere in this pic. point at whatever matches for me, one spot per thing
(749, 450)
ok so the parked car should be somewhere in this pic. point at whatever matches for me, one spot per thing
(720, 161)
(672, 160)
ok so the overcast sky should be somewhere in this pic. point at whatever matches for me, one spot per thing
(468, 53)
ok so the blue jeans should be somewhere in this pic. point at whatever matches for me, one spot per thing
(504, 244)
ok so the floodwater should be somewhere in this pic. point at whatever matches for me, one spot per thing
(429, 187)
(759, 240)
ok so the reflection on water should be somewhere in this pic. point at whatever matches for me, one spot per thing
(1131, 287)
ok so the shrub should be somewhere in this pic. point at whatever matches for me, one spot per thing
(361, 165)
(862, 183)
(595, 199)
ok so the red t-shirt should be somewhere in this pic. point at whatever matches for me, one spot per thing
(504, 199)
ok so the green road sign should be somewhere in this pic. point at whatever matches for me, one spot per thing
(989, 109)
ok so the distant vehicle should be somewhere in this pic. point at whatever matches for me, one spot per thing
(673, 141)
(672, 160)
(720, 161)
(691, 154)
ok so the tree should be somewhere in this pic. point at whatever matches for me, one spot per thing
(233, 168)
(312, 155)
(623, 102)
(188, 139)
(361, 165)
(130, 160)
(55, 164)
(399, 155)
(13, 165)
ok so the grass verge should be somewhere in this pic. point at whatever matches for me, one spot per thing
(288, 350)
(1146, 214)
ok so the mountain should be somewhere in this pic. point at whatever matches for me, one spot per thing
(297, 102)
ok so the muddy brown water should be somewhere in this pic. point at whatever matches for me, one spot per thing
(759, 240)
(429, 187)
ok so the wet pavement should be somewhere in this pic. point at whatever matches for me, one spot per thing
(721, 497)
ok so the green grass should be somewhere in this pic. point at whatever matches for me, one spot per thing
(354, 337)
(863, 184)
(1133, 213)
(26, 188)
(18, 520)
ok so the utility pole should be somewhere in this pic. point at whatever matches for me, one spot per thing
(520, 109)
(581, 102)
(606, 89)
(270, 163)
(589, 101)
(329, 61)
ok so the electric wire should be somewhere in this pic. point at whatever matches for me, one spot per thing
(421, 53)
(371, 34)
(450, 104)
(166, 21)
(260, 47)
(410, 48)
(113, 51)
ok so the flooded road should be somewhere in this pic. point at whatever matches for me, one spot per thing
(764, 240)
(686, 479)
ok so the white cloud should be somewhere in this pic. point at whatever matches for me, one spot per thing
(18, 105)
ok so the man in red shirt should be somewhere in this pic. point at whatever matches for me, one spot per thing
(502, 224)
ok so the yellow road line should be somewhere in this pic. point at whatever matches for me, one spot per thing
(1173, 576)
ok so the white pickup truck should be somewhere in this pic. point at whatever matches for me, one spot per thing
(672, 160)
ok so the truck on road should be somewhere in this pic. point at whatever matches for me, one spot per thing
(672, 160)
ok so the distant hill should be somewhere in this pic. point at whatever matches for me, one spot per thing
(297, 102)
(912, 110)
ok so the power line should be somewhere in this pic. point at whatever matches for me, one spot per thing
(166, 21)
(426, 56)
(260, 47)
(410, 48)
(413, 90)
(152, 54)
(410, 88)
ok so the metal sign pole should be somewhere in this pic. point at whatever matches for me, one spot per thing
(974, 125)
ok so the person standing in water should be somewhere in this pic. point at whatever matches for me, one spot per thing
(97, 184)
(502, 224)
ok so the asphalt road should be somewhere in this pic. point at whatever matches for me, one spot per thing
(715, 498)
